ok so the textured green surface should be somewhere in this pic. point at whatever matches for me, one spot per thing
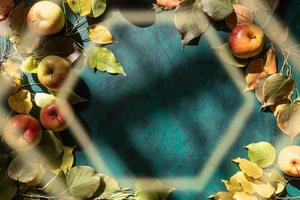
(166, 117)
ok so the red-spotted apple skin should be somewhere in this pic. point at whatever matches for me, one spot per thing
(289, 160)
(45, 18)
(22, 132)
(52, 115)
(53, 71)
(246, 40)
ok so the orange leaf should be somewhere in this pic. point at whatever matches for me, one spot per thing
(255, 70)
(167, 4)
(259, 68)
(270, 62)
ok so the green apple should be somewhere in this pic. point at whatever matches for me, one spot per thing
(53, 71)
(45, 18)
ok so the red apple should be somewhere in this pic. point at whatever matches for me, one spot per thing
(53, 71)
(289, 160)
(45, 18)
(53, 115)
(246, 40)
(22, 132)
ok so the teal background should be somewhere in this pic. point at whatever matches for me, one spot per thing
(170, 112)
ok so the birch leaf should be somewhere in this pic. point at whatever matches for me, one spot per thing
(80, 7)
(29, 65)
(190, 20)
(222, 196)
(265, 190)
(262, 153)
(255, 70)
(243, 196)
(104, 60)
(276, 88)
(288, 119)
(251, 169)
(99, 34)
(21, 102)
(98, 7)
(217, 9)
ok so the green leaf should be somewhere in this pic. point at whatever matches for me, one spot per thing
(190, 20)
(288, 119)
(50, 146)
(262, 153)
(151, 189)
(225, 54)
(82, 182)
(57, 185)
(65, 161)
(108, 186)
(217, 9)
(22, 170)
(98, 7)
(29, 65)
(80, 7)
(277, 87)
(104, 60)
(259, 89)
(42, 99)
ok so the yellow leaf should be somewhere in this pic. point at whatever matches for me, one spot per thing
(11, 73)
(249, 168)
(265, 190)
(245, 182)
(223, 196)
(21, 102)
(243, 196)
(66, 161)
(270, 62)
(255, 71)
(232, 185)
(80, 7)
(99, 34)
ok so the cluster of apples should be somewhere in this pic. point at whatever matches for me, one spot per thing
(23, 131)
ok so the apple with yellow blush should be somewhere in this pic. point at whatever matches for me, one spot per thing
(22, 132)
(246, 40)
(289, 160)
(57, 115)
(45, 18)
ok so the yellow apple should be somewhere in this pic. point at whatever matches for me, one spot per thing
(45, 18)
(22, 132)
(53, 71)
(246, 40)
(289, 160)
